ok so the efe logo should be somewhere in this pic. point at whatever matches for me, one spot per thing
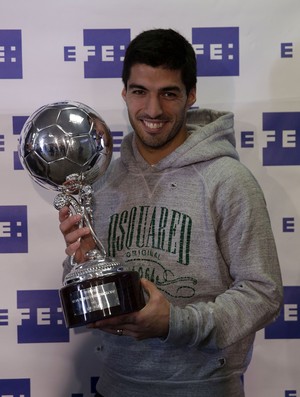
(282, 138)
(41, 317)
(13, 229)
(217, 51)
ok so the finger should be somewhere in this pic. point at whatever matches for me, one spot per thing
(69, 223)
(76, 235)
(72, 248)
(148, 286)
(119, 331)
(63, 213)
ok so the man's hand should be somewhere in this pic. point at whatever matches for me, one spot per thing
(78, 239)
(150, 322)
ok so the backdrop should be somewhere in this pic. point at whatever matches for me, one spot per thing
(248, 55)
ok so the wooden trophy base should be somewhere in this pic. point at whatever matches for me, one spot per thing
(101, 297)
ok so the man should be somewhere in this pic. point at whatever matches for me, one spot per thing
(180, 208)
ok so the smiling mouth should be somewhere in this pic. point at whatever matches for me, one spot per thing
(152, 125)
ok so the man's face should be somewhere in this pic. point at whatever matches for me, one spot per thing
(157, 103)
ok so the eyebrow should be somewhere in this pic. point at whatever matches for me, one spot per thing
(163, 89)
(137, 86)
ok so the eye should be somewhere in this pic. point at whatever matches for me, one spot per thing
(138, 92)
(169, 95)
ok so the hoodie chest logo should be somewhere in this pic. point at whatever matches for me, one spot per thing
(155, 228)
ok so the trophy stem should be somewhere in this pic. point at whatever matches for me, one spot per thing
(98, 243)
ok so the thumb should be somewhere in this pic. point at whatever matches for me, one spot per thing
(148, 286)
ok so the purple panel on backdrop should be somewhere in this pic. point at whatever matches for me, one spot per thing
(11, 54)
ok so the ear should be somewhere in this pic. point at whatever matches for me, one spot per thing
(191, 99)
(124, 92)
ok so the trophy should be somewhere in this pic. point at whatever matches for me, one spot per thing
(66, 146)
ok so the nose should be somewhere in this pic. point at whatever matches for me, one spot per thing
(153, 106)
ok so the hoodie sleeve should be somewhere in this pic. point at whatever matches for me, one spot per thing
(246, 241)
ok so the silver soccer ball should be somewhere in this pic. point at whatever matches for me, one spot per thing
(65, 139)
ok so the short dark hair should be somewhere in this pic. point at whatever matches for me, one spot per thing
(165, 48)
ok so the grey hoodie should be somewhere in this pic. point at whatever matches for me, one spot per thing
(197, 226)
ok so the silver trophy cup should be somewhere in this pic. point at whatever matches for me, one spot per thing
(66, 146)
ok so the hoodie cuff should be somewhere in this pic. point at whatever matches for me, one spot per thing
(182, 326)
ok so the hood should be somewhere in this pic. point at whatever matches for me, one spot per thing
(211, 135)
